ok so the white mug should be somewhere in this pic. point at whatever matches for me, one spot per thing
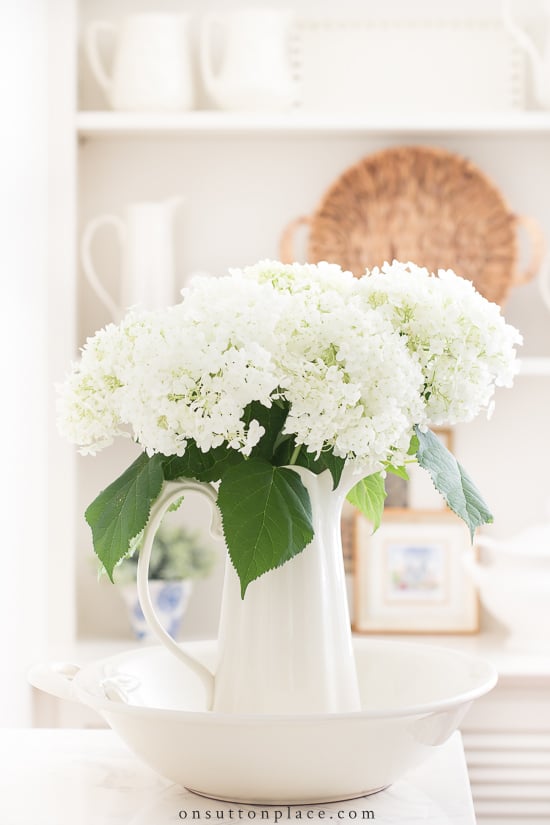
(151, 65)
(146, 238)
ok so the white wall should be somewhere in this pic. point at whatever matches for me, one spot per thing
(23, 408)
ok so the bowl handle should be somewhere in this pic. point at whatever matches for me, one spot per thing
(286, 245)
(171, 492)
(55, 678)
(537, 243)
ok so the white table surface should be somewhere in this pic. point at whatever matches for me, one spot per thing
(89, 777)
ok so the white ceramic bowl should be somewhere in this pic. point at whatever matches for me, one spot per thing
(414, 696)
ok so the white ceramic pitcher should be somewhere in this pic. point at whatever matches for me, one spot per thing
(539, 59)
(146, 239)
(286, 648)
(255, 71)
(513, 579)
(151, 65)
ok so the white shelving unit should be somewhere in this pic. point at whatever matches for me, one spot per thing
(92, 124)
(243, 182)
(537, 366)
(245, 176)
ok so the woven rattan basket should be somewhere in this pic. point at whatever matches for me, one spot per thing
(421, 204)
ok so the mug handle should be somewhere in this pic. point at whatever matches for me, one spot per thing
(171, 492)
(205, 51)
(89, 271)
(94, 58)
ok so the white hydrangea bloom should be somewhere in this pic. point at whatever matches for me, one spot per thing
(350, 381)
(358, 362)
(462, 342)
(88, 411)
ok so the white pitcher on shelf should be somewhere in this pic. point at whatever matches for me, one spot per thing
(513, 579)
(539, 58)
(255, 70)
(151, 65)
(146, 239)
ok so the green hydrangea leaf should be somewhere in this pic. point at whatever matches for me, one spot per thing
(452, 481)
(325, 461)
(209, 466)
(368, 496)
(272, 420)
(121, 511)
(413, 446)
(284, 449)
(397, 471)
(266, 514)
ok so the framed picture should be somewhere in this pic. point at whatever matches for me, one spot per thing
(409, 576)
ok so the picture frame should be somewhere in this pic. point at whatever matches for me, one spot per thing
(409, 575)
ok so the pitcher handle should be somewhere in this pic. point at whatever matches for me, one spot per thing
(517, 33)
(94, 58)
(205, 51)
(543, 281)
(171, 492)
(541, 87)
(89, 271)
(286, 245)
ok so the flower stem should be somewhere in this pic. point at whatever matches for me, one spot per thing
(295, 454)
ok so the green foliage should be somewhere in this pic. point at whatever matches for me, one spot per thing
(265, 507)
(121, 511)
(413, 446)
(209, 466)
(368, 496)
(266, 515)
(397, 471)
(452, 481)
(272, 420)
(325, 461)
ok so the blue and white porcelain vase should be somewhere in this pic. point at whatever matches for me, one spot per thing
(170, 600)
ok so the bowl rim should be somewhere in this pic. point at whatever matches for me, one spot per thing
(103, 705)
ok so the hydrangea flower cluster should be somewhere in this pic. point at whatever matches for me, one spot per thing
(460, 339)
(356, 362)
